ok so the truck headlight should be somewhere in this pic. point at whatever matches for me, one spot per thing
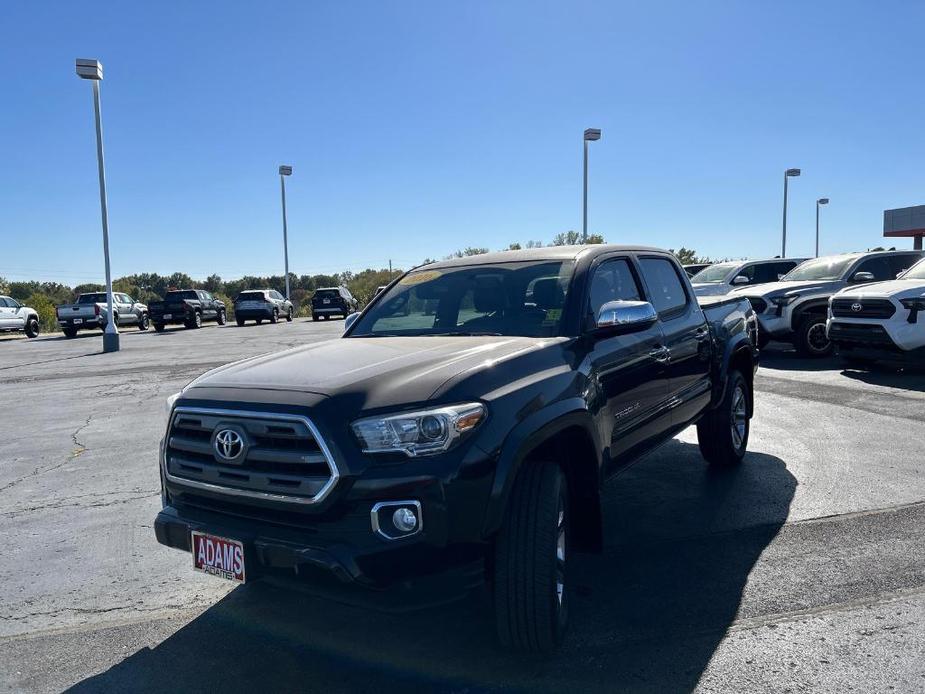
(785, 300)
(914, 305)
(420, 433)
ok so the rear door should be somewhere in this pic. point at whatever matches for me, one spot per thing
(208, 308)
(686, 336)
(629, 371)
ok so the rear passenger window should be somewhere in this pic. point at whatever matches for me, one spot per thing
(665, 288)
(613, 281)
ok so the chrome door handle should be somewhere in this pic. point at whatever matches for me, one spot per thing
(661, 354)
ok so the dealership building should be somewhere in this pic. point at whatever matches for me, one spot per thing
(905, 222)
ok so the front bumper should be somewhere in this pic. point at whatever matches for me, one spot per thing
(895, 339)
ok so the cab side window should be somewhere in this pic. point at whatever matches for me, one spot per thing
(613, 280)
(901, 263)
(665, 288)
(879, 267)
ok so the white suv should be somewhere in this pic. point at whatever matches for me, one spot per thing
(722, 278)
(881, 322)
(14, 317)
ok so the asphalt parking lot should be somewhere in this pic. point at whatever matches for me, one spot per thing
(805, 568)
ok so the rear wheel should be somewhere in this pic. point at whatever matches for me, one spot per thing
(722, 433)
(69, 332)
(258, 321)
(239, 321)
(315, 317)
(810, 339)
(531, 589)
(143, 322)
(159, 327)
(32, 328)
(275, 317)
(195, 321)
(221, 319)
(289, 315)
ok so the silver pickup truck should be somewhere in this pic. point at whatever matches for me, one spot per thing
(91, 311)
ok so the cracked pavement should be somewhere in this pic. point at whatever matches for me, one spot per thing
(803, 570)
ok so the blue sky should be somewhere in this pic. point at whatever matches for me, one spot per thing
(415, 128)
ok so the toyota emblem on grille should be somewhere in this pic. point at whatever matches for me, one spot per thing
(856, 307)
(228, 445)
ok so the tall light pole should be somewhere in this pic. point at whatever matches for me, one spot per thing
(591, 134)
(820, 201)
(93, 70)
(787, 174)
(283, 172)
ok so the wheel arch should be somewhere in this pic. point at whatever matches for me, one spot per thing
(810, 307)
(567, 438)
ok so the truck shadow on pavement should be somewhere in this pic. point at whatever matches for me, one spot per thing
(646, 616)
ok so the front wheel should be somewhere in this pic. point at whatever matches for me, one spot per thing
(531, 589)
(722, 433)
(32, 328)
(811, 339)
(143, 322)
(221, 319)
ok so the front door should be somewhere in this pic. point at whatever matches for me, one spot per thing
(6, 314)
(687, 337)
(628, 371)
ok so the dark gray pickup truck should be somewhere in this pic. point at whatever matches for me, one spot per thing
(460, 430)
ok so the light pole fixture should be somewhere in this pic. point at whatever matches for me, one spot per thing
(92, 70)
(591, 134)
(787, 174)
(820, 201)
(283, 172)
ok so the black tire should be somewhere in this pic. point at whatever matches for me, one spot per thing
(530, 575)
(810, 339)
(289, 315)
(221, 319)
(144, 322)
(195, 322)
(31, 328)
(159, 327)
(274, 318)
(722, 433)
(315, 317)
(258, 321)
(69, 332)
(240, 322)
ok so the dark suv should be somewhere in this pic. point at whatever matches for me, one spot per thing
(332, 301)
(259, 305)
(461, 428)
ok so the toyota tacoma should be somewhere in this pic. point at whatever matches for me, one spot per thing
(188, 307)
(461, 429)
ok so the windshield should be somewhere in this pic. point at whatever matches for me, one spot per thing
(91, 299)
(831, 268)
(916, 272)
(524, 299)
(714, 274)
(181, 294)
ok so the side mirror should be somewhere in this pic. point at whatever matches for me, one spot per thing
(625, 316)
(863, 277)
(350, 320)
(741, 279)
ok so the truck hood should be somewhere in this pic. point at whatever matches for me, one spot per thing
(376, 372)
(711, 288)
(898, 289)
(766, 291)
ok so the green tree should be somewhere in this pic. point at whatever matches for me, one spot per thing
(4, 286)
(573, 238)
(688, 256)
(48, 320)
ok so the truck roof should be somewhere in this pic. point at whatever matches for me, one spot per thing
(544, 253)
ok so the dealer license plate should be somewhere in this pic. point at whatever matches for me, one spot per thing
(218, 556)
(168, 316)
(78, 321)
(326, 301)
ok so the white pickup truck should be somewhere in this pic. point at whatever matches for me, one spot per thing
(90, 311)
(881, 322)
(14, 317)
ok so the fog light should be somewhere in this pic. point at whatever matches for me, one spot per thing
(396, 520)
(404, 520)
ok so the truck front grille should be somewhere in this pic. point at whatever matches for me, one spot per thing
(863, 308)
(281, 457)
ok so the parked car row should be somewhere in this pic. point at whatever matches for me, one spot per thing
(187, 307)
